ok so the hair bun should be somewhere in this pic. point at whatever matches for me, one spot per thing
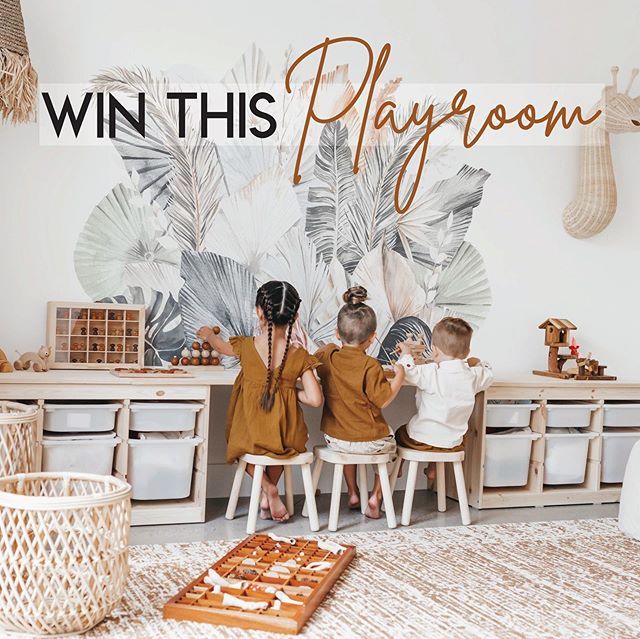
(355, 295)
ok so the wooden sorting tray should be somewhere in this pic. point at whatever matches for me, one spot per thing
(251, 571)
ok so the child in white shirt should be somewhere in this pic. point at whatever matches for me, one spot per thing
(446, 389)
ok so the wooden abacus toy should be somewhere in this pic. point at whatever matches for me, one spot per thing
(266, 582)
(200, 354)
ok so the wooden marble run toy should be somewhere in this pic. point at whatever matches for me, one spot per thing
(266, 582)
(557, 334)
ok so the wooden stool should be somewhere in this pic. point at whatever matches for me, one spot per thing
(414, 459)
(340, 460)
(304, 460)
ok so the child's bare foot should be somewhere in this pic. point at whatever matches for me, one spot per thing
(354, 501)
(373, 508)
(430, 471)
(277, 509)
(265, 513)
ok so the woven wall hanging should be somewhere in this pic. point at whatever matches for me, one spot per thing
(18, 79)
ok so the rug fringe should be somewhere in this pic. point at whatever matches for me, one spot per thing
(18, 87)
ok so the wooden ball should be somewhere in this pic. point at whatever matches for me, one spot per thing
(175, 360)
(185, 361)
(205, 353)
(216, 330)
(206, 346)
(215, 361)
(195, 361)
(186, 352)
(195, 353)
(214, 353)
(195, 346)
(205, 361)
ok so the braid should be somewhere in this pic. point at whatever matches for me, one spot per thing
(279, 302)
(284, 356)
(268, 396)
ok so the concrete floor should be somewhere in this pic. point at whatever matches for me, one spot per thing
(425, 515)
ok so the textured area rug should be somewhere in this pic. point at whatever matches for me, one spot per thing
(548, 580)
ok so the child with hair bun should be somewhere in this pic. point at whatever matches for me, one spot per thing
(264, 415)
(356, 390)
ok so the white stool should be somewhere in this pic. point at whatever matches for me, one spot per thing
(629, 514)
(340, 460)
(414, 459)
(304, 460)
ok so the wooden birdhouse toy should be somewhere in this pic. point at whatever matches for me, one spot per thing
(557, 331)
(557, 335)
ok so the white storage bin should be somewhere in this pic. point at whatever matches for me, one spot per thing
(80, 418)
(565, 458)
(509, 415)
(569, 415)
(161, 468)
(506, 457)
(79, 453)
(622, 415)
(616, 448)
(163, 416)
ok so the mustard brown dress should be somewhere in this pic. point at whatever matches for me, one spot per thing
(282, 431)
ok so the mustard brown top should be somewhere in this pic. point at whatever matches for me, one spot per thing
(355, 389)
(281, 432)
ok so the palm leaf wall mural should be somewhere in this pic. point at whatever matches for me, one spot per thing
(204, 222)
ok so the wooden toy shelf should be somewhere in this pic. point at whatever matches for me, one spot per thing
(540, 391)
(95, 335)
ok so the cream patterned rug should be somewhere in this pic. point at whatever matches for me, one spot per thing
(550, 580)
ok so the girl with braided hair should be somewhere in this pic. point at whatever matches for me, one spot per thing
(264, 415)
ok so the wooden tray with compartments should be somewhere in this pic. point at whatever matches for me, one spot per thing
(84, 335)
(141, 373)
(284, 579)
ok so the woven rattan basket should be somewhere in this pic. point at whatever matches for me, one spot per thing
(63, 551)
(17, 438)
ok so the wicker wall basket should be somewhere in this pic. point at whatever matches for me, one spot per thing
(17, 438)
(63, 551)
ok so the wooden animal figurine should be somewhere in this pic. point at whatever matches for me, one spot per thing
(595, 205)
(39, 360)
(5, 364)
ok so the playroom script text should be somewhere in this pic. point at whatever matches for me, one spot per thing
(385, 114)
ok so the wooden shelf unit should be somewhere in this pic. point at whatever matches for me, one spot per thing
(100, 385)
(540, 391)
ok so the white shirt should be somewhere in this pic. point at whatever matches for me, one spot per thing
(444, 399)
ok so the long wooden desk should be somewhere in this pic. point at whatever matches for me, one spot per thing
(102, 385)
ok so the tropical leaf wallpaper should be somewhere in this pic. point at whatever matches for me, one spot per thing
(201, 225)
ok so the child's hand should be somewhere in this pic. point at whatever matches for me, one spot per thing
(399, 371)
(204, 333)
(404, 348)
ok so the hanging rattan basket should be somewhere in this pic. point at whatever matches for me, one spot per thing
(17, 438)
(63, 551)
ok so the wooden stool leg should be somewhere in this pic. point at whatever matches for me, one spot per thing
(307, 482)
(364, 488)
(317, 471)
(235, 489)
(387, 495)
(288, 489)
(412, 475)
(336, 489)
(395, 472)
(441, 487)
(254, 503)
(462, 493)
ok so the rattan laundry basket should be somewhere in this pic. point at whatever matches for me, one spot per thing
(63, 551)
(17, 438)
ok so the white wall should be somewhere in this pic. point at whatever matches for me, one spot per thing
(535, 268)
